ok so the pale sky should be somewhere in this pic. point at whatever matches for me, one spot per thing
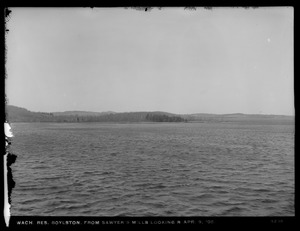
(225, 60)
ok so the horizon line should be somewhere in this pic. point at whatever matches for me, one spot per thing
(207, 113)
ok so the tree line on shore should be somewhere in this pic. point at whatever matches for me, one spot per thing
(164, 118)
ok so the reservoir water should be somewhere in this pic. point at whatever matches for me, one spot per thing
(158, 169)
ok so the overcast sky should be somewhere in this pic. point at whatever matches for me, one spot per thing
(225, 60)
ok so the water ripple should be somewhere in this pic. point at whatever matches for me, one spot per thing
(153, 170)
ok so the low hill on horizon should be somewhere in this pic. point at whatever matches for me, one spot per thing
(18, 114)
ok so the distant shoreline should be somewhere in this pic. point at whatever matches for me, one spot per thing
(17, 114)
(237, 122)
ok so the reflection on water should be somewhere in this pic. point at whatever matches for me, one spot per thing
(169, 169)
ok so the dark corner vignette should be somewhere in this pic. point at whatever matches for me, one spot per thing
(9, 158)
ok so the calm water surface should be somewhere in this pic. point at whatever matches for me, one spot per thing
(168, 169)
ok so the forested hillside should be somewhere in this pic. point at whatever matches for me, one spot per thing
(17, 114)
